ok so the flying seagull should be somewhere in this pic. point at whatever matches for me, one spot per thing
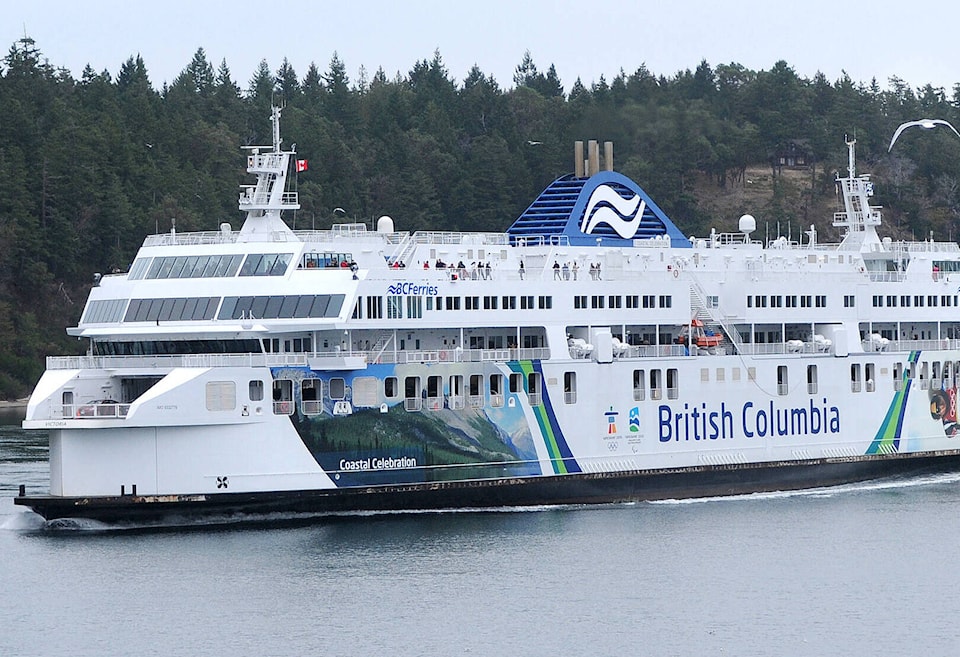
(923, 123)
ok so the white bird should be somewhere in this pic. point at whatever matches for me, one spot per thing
(530, 142)
(923, 123)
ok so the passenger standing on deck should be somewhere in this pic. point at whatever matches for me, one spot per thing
(521, 270)
(556, 270)
(575, 268)
(566, 271)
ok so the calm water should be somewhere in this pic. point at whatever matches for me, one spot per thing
(857, 570)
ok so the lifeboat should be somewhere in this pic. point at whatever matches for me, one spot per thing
(696, 333)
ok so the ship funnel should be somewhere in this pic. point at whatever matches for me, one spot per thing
(590, 165)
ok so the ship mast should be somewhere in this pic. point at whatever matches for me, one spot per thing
(264, 201)
(859, 218)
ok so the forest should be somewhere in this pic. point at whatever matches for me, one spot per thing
(90, 166)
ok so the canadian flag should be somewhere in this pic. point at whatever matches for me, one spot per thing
(301, 165)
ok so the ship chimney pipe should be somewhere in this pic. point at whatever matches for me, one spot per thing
(608, 156)
(578, 159)
(594, 155)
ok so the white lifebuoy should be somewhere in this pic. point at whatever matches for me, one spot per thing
(676, 273)
(861, 269)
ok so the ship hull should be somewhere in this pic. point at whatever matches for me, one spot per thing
(570, 489)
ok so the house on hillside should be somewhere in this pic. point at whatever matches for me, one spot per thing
(793, 153)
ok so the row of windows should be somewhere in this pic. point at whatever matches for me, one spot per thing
(281, 307)
(203, 308)
(615, 301)
(175, 347)
(104, 311)
(373, 307)
(211, 266)
(433, 392)
(906, 300)
(456, 391)
(791, 301)
(946, 265)
(171, 309)
(929, 373)
(325, 260)
(863, 378)
(651, 384)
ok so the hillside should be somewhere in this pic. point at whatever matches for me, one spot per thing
(793, 203)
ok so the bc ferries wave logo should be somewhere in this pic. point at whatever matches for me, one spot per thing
(623, 215)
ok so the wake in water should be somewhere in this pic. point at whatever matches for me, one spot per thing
(27, 521)
(892, 483)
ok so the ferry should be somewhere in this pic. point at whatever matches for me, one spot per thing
(592, 353)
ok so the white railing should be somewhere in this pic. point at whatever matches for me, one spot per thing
(203, 360)
(273, 161)
(466, 239)
(92, 410)
(911, 345)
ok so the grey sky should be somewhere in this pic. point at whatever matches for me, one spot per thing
(584, 39)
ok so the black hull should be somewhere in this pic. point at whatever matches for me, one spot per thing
(591, 488)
